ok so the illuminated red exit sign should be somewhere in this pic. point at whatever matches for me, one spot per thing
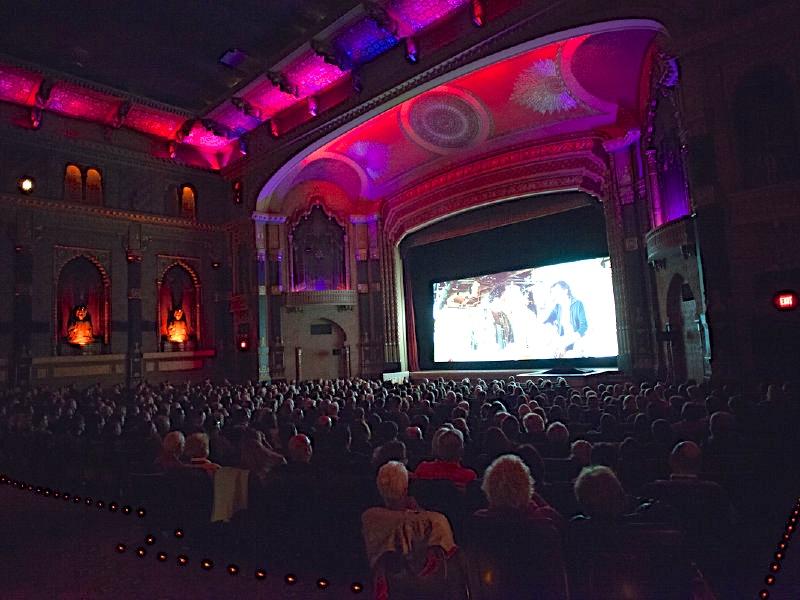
(785, 300)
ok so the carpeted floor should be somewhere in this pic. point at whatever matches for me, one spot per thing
(56, 550)
(52, 549)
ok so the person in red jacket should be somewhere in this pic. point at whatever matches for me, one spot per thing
(449, 450)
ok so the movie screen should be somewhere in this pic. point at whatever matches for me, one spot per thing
(561, 311)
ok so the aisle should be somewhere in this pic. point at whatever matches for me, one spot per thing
(57, 550)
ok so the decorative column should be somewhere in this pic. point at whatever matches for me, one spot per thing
(133, 255)
(20, 357)
(263, 317)
(391, 352)
(654, 188)
(263, 301)
(624, 229)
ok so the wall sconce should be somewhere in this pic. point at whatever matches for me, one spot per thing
(26, 185)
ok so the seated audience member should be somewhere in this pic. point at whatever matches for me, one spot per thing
(390, 451)
(360, 435)
(693, 425)
(400, 524)
(256, 455)
(415, 445)
(605, 454)
(557, 441)
(600, 494)
(534, 429)
(196, 450)
(581, 453)
(702, 506)
(724, 438)
(533, 460)
(171, 452)
(447, 465)
(509, 489)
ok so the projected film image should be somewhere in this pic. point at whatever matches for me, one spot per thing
(556, 311)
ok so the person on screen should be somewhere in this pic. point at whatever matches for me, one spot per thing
(568, 317)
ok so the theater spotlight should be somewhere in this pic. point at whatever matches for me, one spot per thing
(26, 185)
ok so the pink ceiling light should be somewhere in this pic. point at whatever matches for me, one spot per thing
(269, 99)
(310, 74)
(76, 101)
(413, 16)
(154, 122)
(200, 136)
(18, 86)
(234, 119)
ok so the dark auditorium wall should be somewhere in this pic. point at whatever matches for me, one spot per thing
(576, 234)
(134, 234)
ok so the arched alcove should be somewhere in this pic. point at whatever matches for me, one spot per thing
(73, 184)
(179, 308)
(82, 307)
(675, 329)
(94, 187)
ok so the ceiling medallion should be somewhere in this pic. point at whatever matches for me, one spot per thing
(445, 120)
(540, 87)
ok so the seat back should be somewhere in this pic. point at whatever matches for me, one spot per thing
(559, 469)
(430, 576)
(514, 558)
(440, 495)
(627, 561)
(190, 498)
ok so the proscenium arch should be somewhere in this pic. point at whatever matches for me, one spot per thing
(267, 191)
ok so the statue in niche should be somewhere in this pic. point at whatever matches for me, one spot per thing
(177, 328)
(79, 327)
(318, 247)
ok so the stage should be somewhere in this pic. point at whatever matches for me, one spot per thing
(576, 377)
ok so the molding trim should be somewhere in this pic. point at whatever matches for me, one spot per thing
(567, 165)
(34, 203)
(104, 151)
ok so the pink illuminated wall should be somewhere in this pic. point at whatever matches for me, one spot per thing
(18, 86)
(76, 101)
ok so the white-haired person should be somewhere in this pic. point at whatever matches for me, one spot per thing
(196, 450)
(510, 492)
(400, 524)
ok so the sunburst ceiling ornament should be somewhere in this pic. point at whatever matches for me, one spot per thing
(541, 88)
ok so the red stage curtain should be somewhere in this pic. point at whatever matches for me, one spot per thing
(81, 282)
(411, 330)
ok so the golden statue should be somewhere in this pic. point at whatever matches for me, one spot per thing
(79, 328)
(177, 329)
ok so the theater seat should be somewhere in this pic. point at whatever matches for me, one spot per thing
(440, 495)
(510, 558)
(618, 560)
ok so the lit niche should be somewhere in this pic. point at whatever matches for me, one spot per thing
(179, 308)
(82, 307)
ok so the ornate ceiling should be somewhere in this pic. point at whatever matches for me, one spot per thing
(589, 83)
(154, 66)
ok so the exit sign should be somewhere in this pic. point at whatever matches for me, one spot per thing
(785, 300)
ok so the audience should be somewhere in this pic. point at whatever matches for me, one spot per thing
(697, 456)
